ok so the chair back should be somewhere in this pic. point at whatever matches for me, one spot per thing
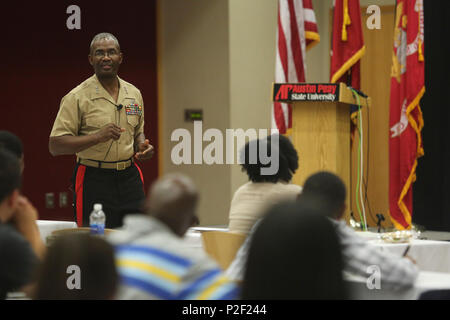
(222, 246)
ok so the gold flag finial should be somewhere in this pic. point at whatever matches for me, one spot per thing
(346, 21)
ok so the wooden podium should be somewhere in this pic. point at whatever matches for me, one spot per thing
(320, 127)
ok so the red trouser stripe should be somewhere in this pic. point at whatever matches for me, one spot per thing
(142, 177)
(79, 193)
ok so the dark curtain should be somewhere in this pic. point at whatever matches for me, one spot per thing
(432, 188)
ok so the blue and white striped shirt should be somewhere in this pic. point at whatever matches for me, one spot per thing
(154, 263)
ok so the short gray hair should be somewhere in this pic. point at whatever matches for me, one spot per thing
(104, 36)
(172, 187)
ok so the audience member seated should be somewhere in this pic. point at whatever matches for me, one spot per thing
(153, 260)
(17, 262)
(263, 191)
(442, 294)
(20, 242)
(77, 266)
(294, 254)
(328, 192)
(12, 143)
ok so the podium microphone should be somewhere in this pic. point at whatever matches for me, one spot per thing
(380, 219)
(360, 93)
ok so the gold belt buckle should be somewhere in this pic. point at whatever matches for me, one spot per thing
(121, 166)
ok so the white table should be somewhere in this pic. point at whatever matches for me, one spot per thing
(46, 227)
(368, 235)
(429, 255)
(426, 281)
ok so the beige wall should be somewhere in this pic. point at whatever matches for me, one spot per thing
(252, 27)
(318, 57)
(194, 74)
(219, 55)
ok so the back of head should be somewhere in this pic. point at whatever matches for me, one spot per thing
(294, 254)
(17, 261)
(10, 177)
(173, 200)
(253, 159)
(11, 142)
(95, 259)
(289, 152)
(328, 191)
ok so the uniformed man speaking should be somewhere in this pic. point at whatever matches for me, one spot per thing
(102, 122)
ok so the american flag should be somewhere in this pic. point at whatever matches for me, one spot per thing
(297, 32)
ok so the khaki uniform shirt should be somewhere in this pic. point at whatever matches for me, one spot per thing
(89, 107)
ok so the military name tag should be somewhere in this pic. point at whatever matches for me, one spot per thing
(133, 109)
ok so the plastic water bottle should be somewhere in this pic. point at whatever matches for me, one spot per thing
(97, 220)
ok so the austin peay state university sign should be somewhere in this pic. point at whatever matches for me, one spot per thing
(290, 92)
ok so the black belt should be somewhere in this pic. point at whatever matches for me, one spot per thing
(119, 165)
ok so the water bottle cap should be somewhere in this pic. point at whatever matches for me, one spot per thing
(97, 206)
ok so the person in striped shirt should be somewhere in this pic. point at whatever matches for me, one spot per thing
(152, 258)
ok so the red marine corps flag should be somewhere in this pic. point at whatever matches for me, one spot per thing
(297, 32)
(406, 122)
(347, 47)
